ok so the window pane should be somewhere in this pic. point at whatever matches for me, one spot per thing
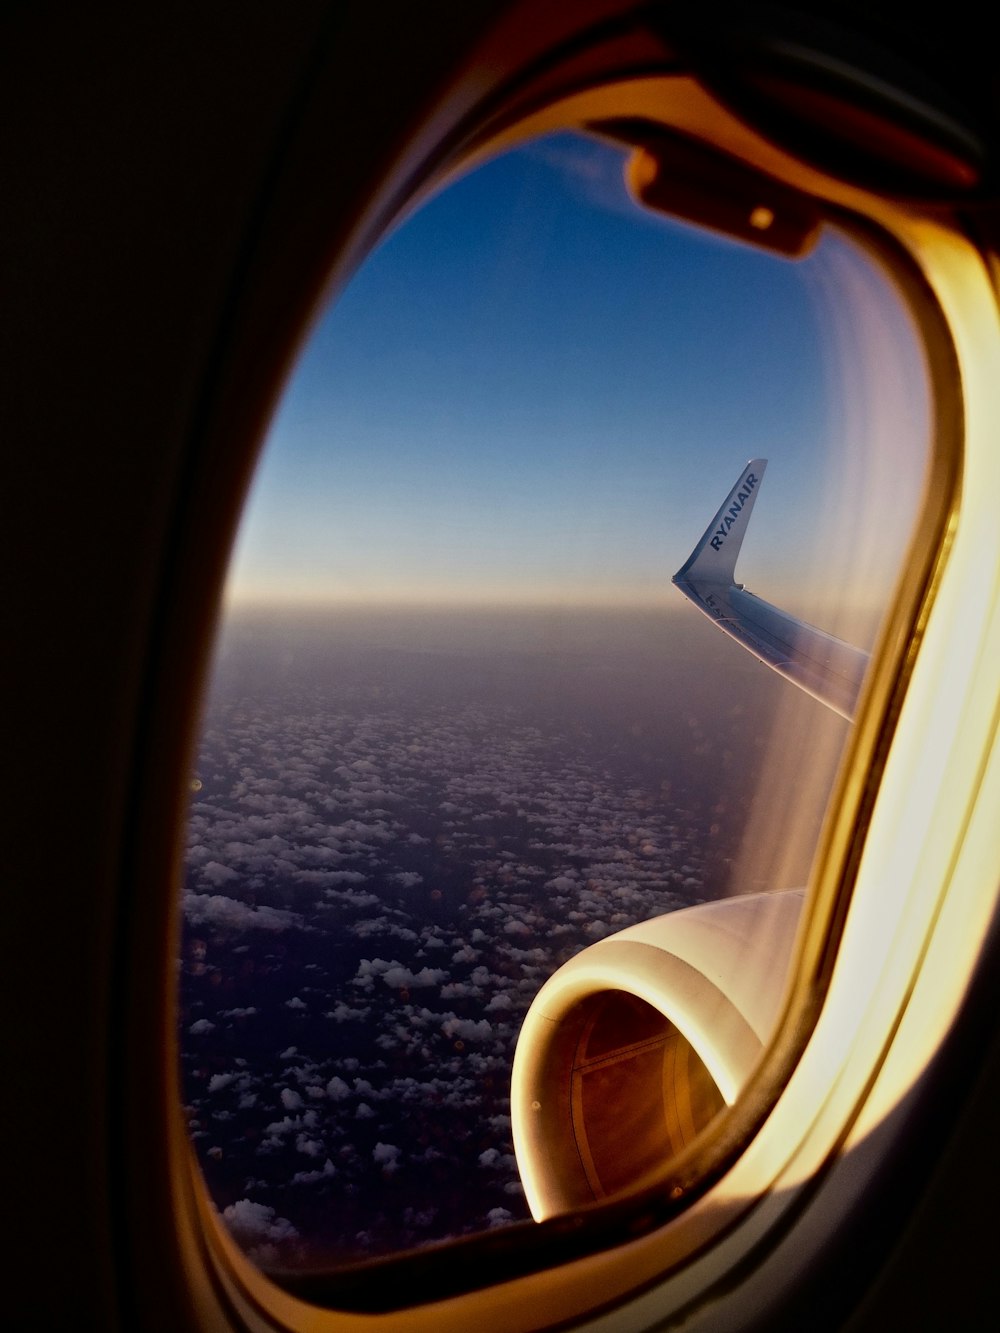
(460, 724)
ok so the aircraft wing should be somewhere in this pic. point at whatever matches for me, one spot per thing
(825, 667)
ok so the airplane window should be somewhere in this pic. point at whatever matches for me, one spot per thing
(461, 726)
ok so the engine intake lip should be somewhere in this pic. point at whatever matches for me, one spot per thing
(634, 1046)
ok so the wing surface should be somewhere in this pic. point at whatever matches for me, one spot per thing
(822, 665)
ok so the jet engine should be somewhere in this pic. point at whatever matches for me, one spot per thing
(633, 1046)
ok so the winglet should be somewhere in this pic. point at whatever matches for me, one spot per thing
(827, 668)
(713, 560)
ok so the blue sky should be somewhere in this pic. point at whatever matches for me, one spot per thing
(534, 392)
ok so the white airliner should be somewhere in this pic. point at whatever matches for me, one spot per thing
(825, 667)
(183, 184)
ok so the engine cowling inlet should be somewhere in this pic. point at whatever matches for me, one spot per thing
(632, 1047)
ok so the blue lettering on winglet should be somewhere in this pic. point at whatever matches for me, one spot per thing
(732, 513)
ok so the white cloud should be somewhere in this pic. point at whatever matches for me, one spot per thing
(310, 1177)
(346, 877)
(399, 977)
(216, 910)
(516, 927)
(216, 873)
(387, 1156)
(342, 1012)
(409, 879)
(467, 1029)
(283, 1126)
(249, 1221)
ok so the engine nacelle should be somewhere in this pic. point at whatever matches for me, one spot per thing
(634, 1045)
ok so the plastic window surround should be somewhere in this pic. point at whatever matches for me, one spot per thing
(224, 1285)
